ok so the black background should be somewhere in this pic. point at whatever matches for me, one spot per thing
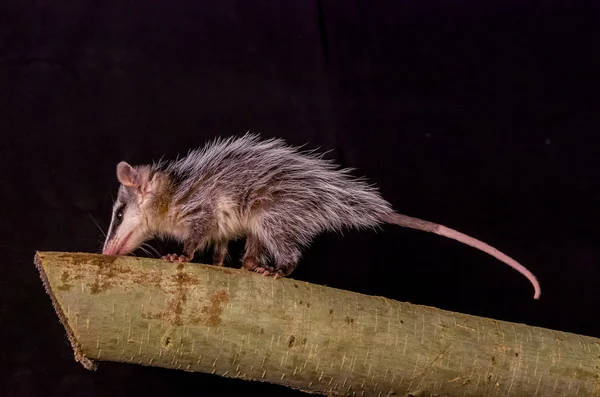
(482, 116)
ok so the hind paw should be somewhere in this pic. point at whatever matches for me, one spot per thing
(252, 265)
(249, 264)
(269, 271)
(176, 258)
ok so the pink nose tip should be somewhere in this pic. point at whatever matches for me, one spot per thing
(108, 250)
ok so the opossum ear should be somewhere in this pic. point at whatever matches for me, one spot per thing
(127, 175)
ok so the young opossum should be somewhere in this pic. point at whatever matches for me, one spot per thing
(263, 189)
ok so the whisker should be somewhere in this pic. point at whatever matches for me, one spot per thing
(152, 248)
(97, 225)
(146, 252)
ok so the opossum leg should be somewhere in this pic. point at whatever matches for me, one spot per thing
(219, 252)
(254, 257)
(189, 249)
(285, 255)
(196, 240)
(285, 266)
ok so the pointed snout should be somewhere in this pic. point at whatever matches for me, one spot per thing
(110, 248)
(118, 246)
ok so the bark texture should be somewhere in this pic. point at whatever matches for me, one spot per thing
(235, 323)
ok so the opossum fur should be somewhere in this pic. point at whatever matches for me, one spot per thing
(275, 195)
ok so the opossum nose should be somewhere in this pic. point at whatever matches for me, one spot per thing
(108, 250)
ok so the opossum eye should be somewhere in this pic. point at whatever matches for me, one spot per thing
(118, 216)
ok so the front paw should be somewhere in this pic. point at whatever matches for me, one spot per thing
(176, 258)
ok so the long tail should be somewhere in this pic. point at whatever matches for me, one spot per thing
(419, 224)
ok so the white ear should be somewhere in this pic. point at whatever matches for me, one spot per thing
(127, 175)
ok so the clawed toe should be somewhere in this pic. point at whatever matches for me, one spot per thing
(252, 265)
(175, 258)
(269, 271)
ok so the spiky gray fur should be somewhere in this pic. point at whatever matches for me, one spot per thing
(305, 192)
(290, 195)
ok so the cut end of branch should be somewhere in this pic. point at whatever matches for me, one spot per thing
(78, 353)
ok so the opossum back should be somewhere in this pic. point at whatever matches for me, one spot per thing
(301, 187)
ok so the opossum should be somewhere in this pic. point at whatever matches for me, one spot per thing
(275, 195)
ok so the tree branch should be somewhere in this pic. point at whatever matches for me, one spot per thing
(234, 323)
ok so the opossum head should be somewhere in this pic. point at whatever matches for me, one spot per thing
(130, 225)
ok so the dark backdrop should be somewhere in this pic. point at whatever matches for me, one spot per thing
(482, 116)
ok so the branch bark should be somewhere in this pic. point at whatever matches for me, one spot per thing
(234, 323)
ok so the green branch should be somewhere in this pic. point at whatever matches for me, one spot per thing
(234, 323)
